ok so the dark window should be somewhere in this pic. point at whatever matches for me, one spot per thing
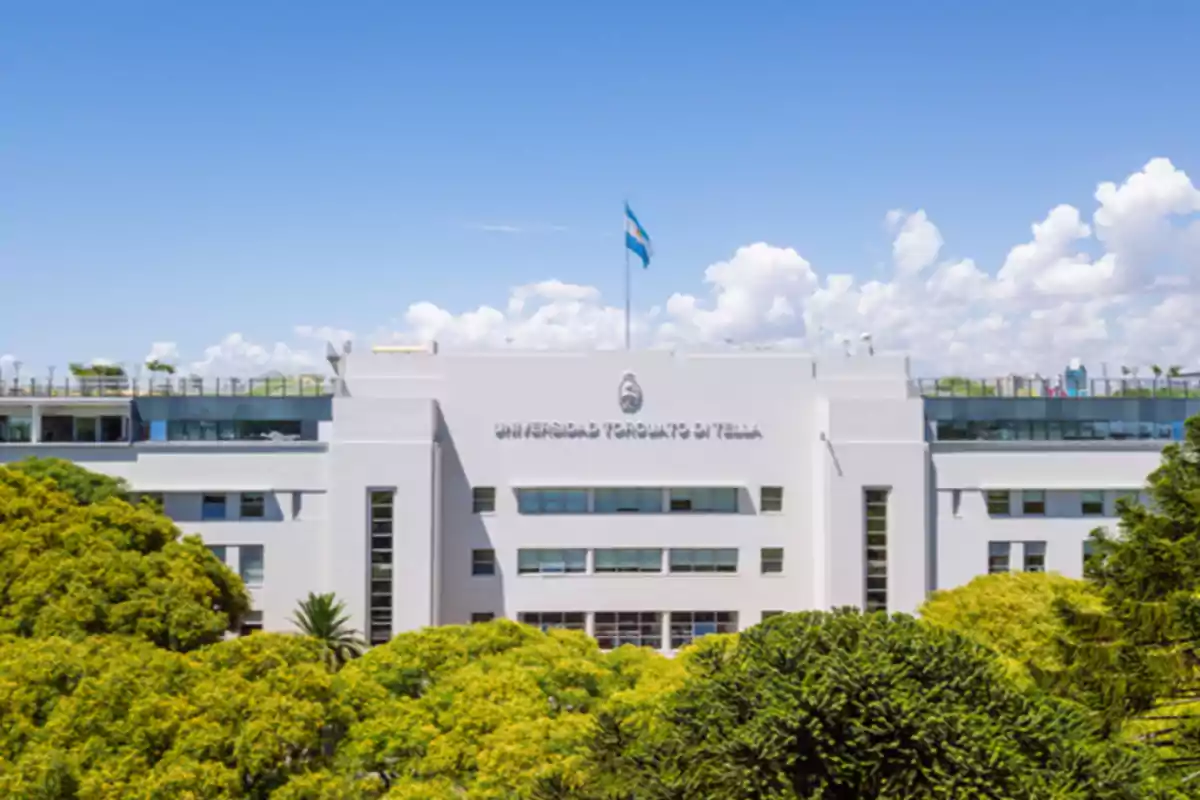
(998, 502)
(250, 564)
(85, 429)
(704, 500)
(483, 499)
(639, 628)
(112, 429)
(686, 559)
(251, 623)
(483, 562)
(380, 536)
(1033, 503)
(770, 498)
(569, 620)
(212, 507)
(57, 428)
(551, 561)
(552, 501)
(772, 560)
(618, 559)
(479, 617)
(1091, 504)
(253, 505)
(688, 626)
(999, 557)
(875, 512)
(640, 500)
(218, 550)
(1035, 557)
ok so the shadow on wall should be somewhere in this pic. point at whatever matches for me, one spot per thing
(471, 580)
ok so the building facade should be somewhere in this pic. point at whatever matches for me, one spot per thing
(647, 497)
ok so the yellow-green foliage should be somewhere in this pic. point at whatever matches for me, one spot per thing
(1014, 614)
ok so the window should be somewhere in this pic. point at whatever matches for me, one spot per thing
(704, 560)
(1033, 503)
(770, 498)
(483, 562)
(772, 560)
(875, 508)
(552, 501)
(479, 617)
(483, 499)
(57, 428)
(999, 557)
(227, 430)
(251, 623)
(112, 429)
(628, 560)
(218, 550)
(639, 628)
(1035, 557)
(250, 564)
(85, 429)
(253, 506)
(212, 506)
(766, 615)
(380, 528)
(704, 501)
(629, 501)
(998, 503)
(569, 620)
(688, 626)
(1091, 504)
(546, 561)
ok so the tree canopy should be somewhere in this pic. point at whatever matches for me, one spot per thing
(83, 485)
(844, 705)
(106, 567)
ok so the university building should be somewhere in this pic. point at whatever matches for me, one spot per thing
(646, 497)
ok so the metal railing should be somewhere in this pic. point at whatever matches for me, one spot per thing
(1037, 387)
(124, 387)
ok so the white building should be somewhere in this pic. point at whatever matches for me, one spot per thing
(644, 496)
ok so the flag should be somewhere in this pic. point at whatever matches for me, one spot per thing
(636, 238)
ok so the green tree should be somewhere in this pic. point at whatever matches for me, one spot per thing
(85, 486)
(1017, 614)
(324, 618)
(1143, 659)
(841, 706)
(106, 567)
(108, 717)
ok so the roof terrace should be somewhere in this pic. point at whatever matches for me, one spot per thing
(117, 387)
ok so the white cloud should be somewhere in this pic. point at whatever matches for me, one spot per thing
(1115, 288)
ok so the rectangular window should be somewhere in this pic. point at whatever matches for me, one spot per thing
(552, 501)
(483, 562)
(218, 550)
(772, 560)
(483, 499)
(998, 503)
(999, 557)
(112, 429)
(251, 623)
(479, 617)
(770, 498)
(380, 530)
(688, 626)
(1035, 557)
(551, 561)
(629, 501)
(250, 564)
(86, 429)
(1091, 504)
(212, 507)
(704, 500)
(697, 559)
(639, 628)
(766, 615)
(628, 560)
(253, 506)
(568, 620)
(1033, 503)
(875, 515)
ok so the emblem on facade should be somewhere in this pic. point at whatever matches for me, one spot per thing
(629, 394)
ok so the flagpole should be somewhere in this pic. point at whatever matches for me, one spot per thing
(627, 290)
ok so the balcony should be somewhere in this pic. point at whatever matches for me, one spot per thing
(116, 387)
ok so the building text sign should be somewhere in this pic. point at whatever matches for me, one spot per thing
(627, 430)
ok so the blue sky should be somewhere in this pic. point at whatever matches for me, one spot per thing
(179, 172)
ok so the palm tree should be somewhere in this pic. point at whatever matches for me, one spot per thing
(323, 617)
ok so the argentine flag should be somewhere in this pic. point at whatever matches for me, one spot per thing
(636, 238)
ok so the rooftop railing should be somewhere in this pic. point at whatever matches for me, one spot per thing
(124, 387)
(1058, 387)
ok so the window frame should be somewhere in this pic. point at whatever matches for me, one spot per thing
(612, 629)
(692, 562)
(243, 505)
(483, 499)
(483, 562)
(536, 500)
(554, 620)
(629, 500)
(998, 550)
(633, 565)
(1033, 557)
(1032, 507)
(768, 563)
(991, 499)
(262, 564)
(205, 506)
(569, 559)
(1089, 505)
(482, 617)
(696, 625)
(770, 499)
(703, 500)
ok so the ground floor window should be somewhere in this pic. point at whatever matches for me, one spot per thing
(641, 628)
